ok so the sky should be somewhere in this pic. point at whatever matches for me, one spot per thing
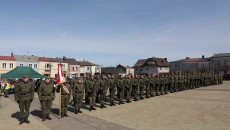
(111, 32)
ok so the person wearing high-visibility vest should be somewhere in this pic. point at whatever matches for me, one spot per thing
(6, 88)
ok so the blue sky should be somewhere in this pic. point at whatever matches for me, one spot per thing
(109, 32)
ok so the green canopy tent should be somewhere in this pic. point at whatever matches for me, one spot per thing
(20, 71)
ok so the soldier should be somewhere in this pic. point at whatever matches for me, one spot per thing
(24, 95)
(78, 94)
(176, 82)
(91, 91)
(188, 81)
(142, 87)
(179, 82)
(120, 89)
(162, 86)
(98, 79)
(166, 79)
(46, 94)
(148, 84)
(172, 83)
(65, 97)
(128, 88)
(157, 83)
(152, 86)
(86, 86)
(112, 90)
(135, 86)
(103, 91)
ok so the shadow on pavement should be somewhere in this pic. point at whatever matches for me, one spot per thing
(16, 115)
(37, 113)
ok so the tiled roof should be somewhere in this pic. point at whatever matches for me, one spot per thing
(157, 62)
(71, 61)
(192, 60)
(26, 58)
(140, 63)
(7, 58)
(86, 63)
(45, 59)
(112, 70)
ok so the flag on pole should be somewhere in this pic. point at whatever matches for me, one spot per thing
(60, 76)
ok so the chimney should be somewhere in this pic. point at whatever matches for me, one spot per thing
(165, 58)
(202, 56)
(12, 54)
(187, 58)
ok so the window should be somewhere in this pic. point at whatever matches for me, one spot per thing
(47, 65)
(3, 65)
(11, 65)
(160, 68)
(63, 65)
(21, 64)
(88, 68)
(35, 66)
(30, 65)
(147, 68)
(225, 62)
(77, 68)
(72, 68)
(140, 69)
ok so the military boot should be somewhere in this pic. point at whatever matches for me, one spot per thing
(48, 117)
(76, 111)
(22, 121)
(27, 121)
(65, 114)
(113, 103)
(62, 115)
(44, 118)
(79, 110)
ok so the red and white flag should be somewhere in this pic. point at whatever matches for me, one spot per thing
(60, 76)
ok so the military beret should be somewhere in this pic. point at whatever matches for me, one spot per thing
(47, 77)
(25, 76)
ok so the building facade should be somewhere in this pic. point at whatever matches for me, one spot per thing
(7, 63)
(31, 61)
(89, 68)
(151, 66)
(73, 67)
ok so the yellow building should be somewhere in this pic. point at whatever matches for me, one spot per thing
(7, 63)
(49, 66)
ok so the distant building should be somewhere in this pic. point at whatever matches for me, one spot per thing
(221, 63)
(31, 61)
(87, 67)
(191, 65)
(49, 66)
(112, 70)
(127, 69)
(151, 66)
(7, 63)
(74, 67)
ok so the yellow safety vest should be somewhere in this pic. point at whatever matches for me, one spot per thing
(7, 86)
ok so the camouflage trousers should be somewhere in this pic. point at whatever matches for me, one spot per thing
(152, 90)
(24, 107)
(112, 95)
(128, 93)
(77, 100)
(148, 91)
(120, 95)
(92, 99)
(46, 107)
(64, 103)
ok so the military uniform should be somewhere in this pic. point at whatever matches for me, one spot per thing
(24, 95)
(78, 94)
(65, 97)
(91, 91)
(120, 90)
(172, 83)
(148, 86)
(103, 91)
(142, 88)
(112, 90)
(152, 86)
(128, 89)
(135, 86)
(46, 94)
(166, 79)
(158, 84)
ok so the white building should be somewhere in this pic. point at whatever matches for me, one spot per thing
(31, 61)
(89, 68)
(151, 66)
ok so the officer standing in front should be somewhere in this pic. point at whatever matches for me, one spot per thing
(24, 95)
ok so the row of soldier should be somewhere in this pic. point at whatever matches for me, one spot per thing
(96, 89)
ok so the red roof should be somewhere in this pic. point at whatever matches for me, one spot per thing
(192, 60)
(45, 59)
(7, 58)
